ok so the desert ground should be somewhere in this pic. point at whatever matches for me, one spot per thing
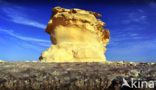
(73, 76)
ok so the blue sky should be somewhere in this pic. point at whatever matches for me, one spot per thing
(131, 24)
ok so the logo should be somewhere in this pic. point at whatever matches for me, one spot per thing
(138, 83)
(125, 83)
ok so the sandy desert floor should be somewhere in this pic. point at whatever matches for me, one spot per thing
(73, 76)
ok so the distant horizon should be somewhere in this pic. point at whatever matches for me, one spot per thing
(132, 26)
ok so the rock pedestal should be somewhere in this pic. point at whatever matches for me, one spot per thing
(77, 36)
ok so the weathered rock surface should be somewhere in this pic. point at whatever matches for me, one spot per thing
(2, 61)
(73, 76)
(77, 36)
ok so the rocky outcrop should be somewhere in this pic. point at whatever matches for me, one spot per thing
(77, 36)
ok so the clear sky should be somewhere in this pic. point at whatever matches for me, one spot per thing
(132, 25)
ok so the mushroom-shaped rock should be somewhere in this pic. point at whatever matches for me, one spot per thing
(77, 36)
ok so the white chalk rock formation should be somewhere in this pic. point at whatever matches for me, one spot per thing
(77, 36)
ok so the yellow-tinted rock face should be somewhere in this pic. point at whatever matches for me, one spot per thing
(77, 36)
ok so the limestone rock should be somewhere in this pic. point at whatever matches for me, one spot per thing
(77, 36)
(2, 61)
(27, 61)
(34, 61)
